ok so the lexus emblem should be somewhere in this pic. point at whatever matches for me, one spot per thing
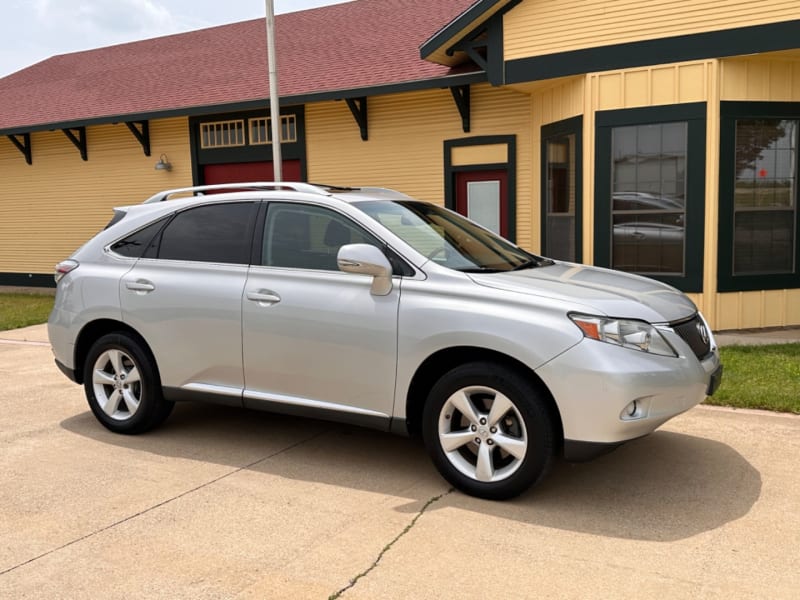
(701, 329)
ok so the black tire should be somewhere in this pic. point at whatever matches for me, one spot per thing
(122, 385)
(521, 423)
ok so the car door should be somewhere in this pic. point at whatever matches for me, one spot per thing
(315, 339)
(184, 296)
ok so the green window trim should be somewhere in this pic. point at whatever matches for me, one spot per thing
(572, 126)
(694, 115)
(727, 281)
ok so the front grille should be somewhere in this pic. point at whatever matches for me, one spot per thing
(694, 332)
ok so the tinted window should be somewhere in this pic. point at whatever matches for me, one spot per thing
(135, 244)
(302, 236)
(219, 233)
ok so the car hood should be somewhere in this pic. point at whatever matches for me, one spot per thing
(612, 293)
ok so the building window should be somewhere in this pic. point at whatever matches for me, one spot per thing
(650, 192)
(759, 196)
(261, 130)
(222, 134)
(561, 189)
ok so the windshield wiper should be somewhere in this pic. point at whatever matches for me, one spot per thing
(532, 263)
(480, 270)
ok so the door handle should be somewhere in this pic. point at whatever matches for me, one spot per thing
(140, 286)
(264, 297)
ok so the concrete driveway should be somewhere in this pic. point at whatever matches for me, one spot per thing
(226, 503)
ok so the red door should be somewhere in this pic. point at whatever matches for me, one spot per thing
(251, 171)
(483, 197)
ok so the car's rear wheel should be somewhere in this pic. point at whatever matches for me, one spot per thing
(488, 431)
(122, 385)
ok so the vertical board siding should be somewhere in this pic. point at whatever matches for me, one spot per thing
(50, 208)
(761, 79)
(405, 149)
(564, 25)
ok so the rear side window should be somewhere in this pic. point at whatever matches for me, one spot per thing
(135, 244)
(220, 233)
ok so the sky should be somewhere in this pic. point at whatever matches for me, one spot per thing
(33, 30)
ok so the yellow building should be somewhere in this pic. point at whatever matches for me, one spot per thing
(658, 137)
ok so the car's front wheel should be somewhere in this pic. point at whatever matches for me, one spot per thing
(122, 385)
(488, 431)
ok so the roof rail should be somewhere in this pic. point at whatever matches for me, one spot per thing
(257, 185)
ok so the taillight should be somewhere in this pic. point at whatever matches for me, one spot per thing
(64, 267)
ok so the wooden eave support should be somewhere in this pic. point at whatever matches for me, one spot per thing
(77, 135)
(141, 131)
(23, 146)
(358, 106)
(461, 97)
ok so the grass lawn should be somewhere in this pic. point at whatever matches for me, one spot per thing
(766, 377)
(21, 310)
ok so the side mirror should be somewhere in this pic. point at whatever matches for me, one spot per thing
(367, 260)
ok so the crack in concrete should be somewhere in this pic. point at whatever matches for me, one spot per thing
(388, 546)
(162, 503)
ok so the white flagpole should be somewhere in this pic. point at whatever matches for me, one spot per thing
(274, 106)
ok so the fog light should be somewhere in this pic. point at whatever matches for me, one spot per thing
(632, 411)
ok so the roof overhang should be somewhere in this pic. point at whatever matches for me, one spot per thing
(445, 82)
(438, 48)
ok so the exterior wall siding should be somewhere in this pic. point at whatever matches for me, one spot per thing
(48, 209)
(405, 150)
(540, 27)
(772, 79)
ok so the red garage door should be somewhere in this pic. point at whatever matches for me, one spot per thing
(253, 171)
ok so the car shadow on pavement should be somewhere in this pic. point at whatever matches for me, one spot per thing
(664, 487)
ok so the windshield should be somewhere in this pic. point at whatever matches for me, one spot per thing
(447, 238)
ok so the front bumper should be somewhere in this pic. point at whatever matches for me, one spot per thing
(594, 383)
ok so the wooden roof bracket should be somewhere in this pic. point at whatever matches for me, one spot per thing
(484, 46)
(23, 146)
(77, 135)
(141, 131)
(461, 96)
(358, 106)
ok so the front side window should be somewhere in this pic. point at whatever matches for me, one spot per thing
(304, 236)
(759, 217)
(218, 233)
(650, 192)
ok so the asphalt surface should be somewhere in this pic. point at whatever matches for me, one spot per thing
(227, 503)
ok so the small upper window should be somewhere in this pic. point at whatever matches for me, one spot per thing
(261, 130)
(220, 233)
(222, 134)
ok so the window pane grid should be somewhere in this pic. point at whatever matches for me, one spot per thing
(765, 196)
(222, 134)
(648, 182)
(261, 130)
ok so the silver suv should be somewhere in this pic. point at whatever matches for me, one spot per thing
(366, 306)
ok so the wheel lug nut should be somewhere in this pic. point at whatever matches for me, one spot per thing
(490, 442)
(483, 421)
(493, 429)
(477, 440)
(474, 428)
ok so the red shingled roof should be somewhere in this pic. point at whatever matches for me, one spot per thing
(341, 47)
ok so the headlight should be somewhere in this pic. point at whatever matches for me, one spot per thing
(636, 335)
